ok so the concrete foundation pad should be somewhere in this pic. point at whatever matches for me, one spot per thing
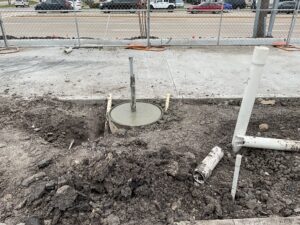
(202, 72)
(252, 221)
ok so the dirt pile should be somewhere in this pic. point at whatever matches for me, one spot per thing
(145, 176)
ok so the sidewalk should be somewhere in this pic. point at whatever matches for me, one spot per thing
(185, 73)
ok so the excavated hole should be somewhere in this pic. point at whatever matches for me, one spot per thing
(65, 121)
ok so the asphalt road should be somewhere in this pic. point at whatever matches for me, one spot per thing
(176, 25)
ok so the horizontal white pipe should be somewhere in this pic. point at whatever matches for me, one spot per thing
(269, 143)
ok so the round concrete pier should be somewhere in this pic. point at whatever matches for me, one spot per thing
(145, 114)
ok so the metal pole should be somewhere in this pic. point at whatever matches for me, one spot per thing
(236, 175)
(272, 18)
(293, 22)
(220, 25)
(132, 85)
(255, 27)
(3, 32)
(76, 24)
(259, 59)
(148, 23)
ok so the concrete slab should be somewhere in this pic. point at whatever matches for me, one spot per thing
(252, 221)
(185, 73)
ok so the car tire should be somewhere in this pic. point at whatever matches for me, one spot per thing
(170, 8)
(106, 10)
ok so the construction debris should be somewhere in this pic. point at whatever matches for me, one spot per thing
(204, 170)
(267, 102)
(68, 50)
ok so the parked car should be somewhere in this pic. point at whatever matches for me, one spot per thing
(22, 3)
(286, 7)
(227, 6)
(76, 4)
(54, 5)
(163, 4)
(206, 7)
(253, 5)
(119, 4)
(237, 4)
(283, 7)
(179, 3)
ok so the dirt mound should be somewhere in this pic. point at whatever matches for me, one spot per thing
(143, 175)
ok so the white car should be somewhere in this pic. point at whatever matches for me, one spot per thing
(22, 3)
(179, 4)
(163, 4)
(77, 4)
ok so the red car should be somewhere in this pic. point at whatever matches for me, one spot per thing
(206, 7)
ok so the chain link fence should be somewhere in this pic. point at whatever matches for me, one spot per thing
(188, 25)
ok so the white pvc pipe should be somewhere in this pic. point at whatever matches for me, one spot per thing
(167, 102)
(237, 166)
(259, 58)
(205, 168)
(270, 143)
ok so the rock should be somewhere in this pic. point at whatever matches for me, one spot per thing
(34, 221)
(2, 224)
(44, 163)
(21, 224)
(263, 127)
(251, 204)
(286, 212)
(21, 204)
(50, 185)
(103, 169)
(126, 192)
(189, 155)
(267, 102)
(47, 222)
(297, 210)
(172, 168)
(2, 145)
(36, 192)
(112, 220)
(65, 197)
(33, 178)
(61, 181)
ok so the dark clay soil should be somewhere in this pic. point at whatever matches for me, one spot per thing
(142, 175)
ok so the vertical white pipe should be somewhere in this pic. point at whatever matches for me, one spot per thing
(237, 166)
(259, 58)
(167, 102)
(109, 103)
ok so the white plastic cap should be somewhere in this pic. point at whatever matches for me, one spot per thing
(260, 55)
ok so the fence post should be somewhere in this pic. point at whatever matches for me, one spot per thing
(76, 24)
(148, 23)
(293, 22)
(220, 25)
(3, 32)
(272, 18)
(257, 12)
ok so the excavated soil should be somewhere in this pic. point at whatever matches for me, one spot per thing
(59, 166)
